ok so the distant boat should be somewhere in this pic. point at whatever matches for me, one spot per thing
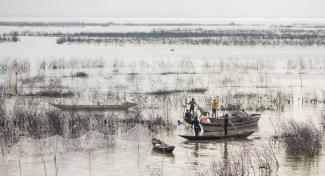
(243, 134)
(160, 146)
(121, 107)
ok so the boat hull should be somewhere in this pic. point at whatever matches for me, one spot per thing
(168, 149)
(159, 146)
(238, 135)
(121, 107)
(238, 125)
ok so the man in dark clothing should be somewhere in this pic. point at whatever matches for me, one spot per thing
(196, 125)
(188, 117)
(192, 104)
(225, 124)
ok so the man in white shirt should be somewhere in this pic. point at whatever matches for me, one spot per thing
(244, 115)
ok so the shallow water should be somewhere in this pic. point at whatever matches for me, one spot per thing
(134, 156)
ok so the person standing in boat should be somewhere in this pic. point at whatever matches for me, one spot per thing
(225, 124)
(192, 104)
(214, 106)
(189, 117)
(196, 125)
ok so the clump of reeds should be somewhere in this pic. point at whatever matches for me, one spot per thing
(153, 171)
(10, 37)
(197, 90)
(302, 140)
(246, 161)
(51, 93)
(80, 75)
(164, 92)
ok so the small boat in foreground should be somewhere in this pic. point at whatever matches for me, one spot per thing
(238, 135)
(160, 146)
(121, 107)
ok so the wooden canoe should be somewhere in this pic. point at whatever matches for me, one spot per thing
(160, 146)
(239, 125)
(237, 135)
(233, 119)
(122, 107)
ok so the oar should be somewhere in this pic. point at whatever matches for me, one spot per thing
(232, 124)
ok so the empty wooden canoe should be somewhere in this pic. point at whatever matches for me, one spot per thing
(122, 107)
(250, 122)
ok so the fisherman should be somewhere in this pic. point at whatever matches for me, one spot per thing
(214, 106)
(225, 124)
(196, 125)
(243, 114)
(189, 117)
(192, 104)
(205, 118)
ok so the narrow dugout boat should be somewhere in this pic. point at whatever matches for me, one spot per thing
(122, 107)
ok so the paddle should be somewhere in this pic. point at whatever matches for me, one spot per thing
(232, 124)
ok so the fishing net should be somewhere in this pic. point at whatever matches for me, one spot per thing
(90, 141)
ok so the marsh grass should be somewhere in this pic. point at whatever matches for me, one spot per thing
(302, 140)
(51, 93)
(198, 36)
(80, 75)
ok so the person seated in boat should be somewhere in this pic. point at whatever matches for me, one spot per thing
(243, 115)
(214, 106)
(156, 142)
(225, 124)
(192, 104)
(205, 118)
(196, 125)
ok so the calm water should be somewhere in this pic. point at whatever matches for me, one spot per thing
(132, 155)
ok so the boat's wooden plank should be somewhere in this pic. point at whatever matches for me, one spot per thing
(216, 137)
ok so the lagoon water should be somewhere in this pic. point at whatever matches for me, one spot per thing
(223, 70)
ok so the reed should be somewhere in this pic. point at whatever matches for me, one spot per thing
(302, 140)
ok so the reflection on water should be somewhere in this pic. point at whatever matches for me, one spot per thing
(225, 155)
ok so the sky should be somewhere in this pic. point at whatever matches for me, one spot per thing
(164, 8)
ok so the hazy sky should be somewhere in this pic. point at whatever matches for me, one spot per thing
(164, 8)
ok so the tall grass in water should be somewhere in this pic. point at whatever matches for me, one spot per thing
(302, 140)
(247, 161)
